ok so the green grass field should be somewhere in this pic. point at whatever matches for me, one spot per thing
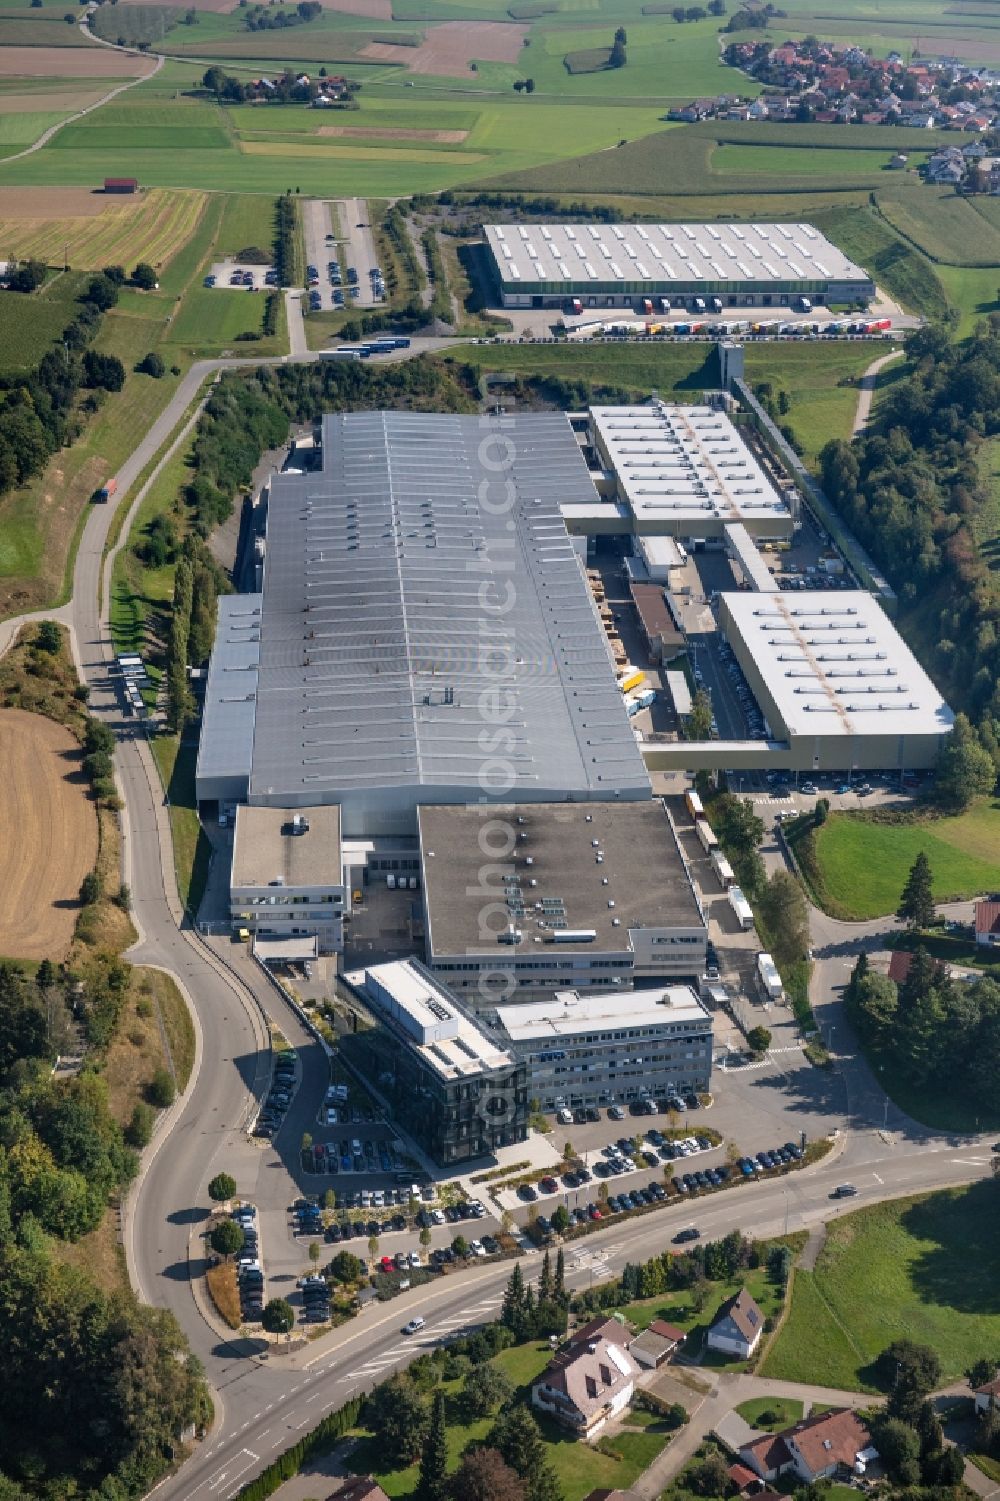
(829, 162)
(579, 1468)
(925, 1269)
(820, 407)
(945, 226)
(862, 864)
(31, 322)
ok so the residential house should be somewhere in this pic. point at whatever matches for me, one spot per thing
(898, 162)
(988, 922)
(919, 119)
(656, 1345)
(987, 1396)
(831, 1443)
(737, 1327)
(586, 1384)
(749, 1484)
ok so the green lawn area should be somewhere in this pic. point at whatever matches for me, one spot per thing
(770, 1413)
(678, 1308)
(830, 162)
(973, 291)
(862, 865)
(927, 1268)
(579, 1467)
(176, 765)
(30, 322)
(820, 407)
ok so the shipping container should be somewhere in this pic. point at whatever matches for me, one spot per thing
(694, 804)
(707, 837)
(769, 978)
(723, 869)
(633, 679)
(741, 907)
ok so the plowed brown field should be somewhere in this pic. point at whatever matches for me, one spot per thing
(49, 841)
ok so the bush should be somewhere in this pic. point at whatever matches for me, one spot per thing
(160, 1091)
(140, 1127)
(90, 889)
(152, 365)
(144, 277)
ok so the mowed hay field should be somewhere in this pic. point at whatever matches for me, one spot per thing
(97, 229)
(50, 838)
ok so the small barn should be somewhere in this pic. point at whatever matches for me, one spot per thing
(121, 185)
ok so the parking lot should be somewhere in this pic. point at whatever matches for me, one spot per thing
(238, 276)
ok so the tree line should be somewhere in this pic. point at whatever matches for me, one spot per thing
(42, 411)
(96, 1388)
(912, 490)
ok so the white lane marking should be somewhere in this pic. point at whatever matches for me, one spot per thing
(877, 1178)
(315, 1397)
(971, 1161)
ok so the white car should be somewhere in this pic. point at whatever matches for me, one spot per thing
(565, 1117)
(476, 1248)
(414, 1326)
(414, 1259)
(331, 1117)
(478, 1209)
(437, 1216)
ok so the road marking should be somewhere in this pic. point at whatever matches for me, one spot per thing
(315, 1397)
(971, 1161)
(877, 1178)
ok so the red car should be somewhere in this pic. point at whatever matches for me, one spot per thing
(387, 1264)
(594, 1212)
(549, 1185)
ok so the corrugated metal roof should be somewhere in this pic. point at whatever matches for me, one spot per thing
(231, 691)
(428, 564)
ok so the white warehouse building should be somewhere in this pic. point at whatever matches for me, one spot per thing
(834, 679)
(685, 471)
(623, 265)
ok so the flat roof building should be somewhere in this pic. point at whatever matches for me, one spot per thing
(449, 1082)
(533, 898)
(833, 677)
(422, 604)
(685, 471)
(286, 880)
(608, 1047)
(618, 265)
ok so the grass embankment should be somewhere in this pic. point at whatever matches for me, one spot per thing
(926, 1268)
(176, 762)
(223, 1289)
(856, 865)
(579, 1468)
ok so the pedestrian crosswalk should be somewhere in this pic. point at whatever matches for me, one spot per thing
(379, 1365)
(771, 799)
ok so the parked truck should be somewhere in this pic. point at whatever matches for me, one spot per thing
(631, 680)
(769, 978)
(104, 494)
(706, 835)
(723, 869)
(575, 305)
(741, 907)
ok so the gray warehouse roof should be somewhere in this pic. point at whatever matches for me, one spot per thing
(663, 253)
(600, 867)
(224, 752)
(420, 594)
